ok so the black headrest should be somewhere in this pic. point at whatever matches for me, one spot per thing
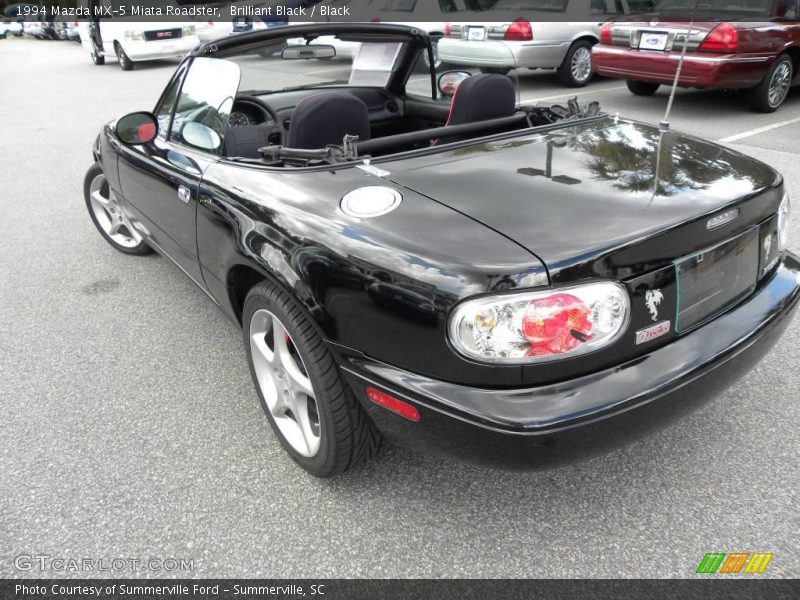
(325, 118)
(480, 97)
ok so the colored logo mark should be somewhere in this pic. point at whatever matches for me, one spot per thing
(734, 562)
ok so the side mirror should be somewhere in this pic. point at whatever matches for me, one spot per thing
(200, 136)
(449, 81)
(137, 128)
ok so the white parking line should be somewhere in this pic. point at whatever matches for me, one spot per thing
(757, 130)
(571, 94)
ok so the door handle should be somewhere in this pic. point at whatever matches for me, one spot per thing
(184, 194)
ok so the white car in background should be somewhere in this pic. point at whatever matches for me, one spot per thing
(131, 41)
(8, 28)
(208, 31)
(34, 29)
(517, 40)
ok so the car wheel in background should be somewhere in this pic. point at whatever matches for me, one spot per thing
(642, 88)
(125, 63)
(576, 70)
(112, 223)
(97, 58)
(495, 70)
(309, 406)
(768, 95)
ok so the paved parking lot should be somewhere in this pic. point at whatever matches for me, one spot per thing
(129, 426)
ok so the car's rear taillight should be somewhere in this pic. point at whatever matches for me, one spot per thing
(519, 31)
(375, 20)
(723, 39)
(535, 326)
(605, 34)
(556, 324)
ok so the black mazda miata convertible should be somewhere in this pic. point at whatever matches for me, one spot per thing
(414, 254)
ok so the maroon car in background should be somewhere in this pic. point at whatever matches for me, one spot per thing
(739, 44)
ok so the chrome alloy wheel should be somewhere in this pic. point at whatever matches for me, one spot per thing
(779, 84)
(284, 383)
(110, 216)
(581, 64)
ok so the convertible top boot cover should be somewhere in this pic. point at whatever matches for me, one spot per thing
(324, 119)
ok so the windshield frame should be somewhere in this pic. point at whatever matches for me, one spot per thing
(413, 40)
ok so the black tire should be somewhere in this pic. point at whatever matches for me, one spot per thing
(97, 58)
(3, 36)
(495, 70)
(642, 88)
(576, 77)
(125, 63)
(761, 99)
(347, 435)
(93, 172)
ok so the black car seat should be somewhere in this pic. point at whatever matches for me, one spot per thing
(245, 141)
(481, 97)
(325, 118)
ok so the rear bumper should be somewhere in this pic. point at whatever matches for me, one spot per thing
(699, 69)
(548, 425)
(497, 53)
(155, 50)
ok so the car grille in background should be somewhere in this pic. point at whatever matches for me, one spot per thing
(712, 280)
(163, 34)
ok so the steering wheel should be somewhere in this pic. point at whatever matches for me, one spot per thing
(266, 111)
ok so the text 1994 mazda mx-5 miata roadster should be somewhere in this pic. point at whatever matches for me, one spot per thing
(416, 255)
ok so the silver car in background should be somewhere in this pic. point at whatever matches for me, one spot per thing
(564, 46)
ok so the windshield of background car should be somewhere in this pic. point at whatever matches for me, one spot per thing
(744, 7)
(286, 64)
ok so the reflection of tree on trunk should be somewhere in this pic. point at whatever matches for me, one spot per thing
(664, 163)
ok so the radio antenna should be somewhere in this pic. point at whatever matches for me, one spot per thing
(664, 124)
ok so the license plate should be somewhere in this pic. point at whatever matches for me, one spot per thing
(712, 280)
(653, 40)
(476, 34)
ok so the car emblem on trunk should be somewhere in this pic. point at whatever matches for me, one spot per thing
(653, 298)
(652, 332)
(722, 219)
(653, 22)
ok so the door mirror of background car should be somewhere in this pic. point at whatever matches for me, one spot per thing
(308, 52)
(201, 136)
(449, 81)
(137, 128)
